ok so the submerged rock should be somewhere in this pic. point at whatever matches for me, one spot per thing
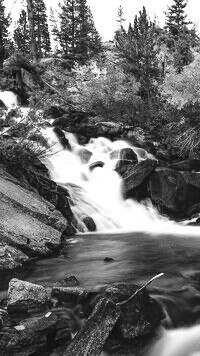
(24, 296)
(124, 154)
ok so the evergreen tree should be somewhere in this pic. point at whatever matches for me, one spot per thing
(4, 23)
(180, 38)
(77, 35)
(176, 18)
(41, 28)
(138, 48)
(120, 18)
(21, 34)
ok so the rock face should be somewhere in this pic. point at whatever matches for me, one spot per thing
(168, 190)
(30, 226)
(134, 175)
(24, 296)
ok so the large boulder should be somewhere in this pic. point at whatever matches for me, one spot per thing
(168, 190)
(134, 175)
(30, 226)
(139, 317)
(24, 296)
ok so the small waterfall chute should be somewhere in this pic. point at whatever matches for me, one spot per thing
(9, 98)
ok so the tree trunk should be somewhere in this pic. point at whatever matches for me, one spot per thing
(32, 31)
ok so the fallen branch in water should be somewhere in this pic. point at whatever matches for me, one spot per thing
(140, 289)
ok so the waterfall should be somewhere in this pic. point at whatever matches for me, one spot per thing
(9, 98)
(98, 192)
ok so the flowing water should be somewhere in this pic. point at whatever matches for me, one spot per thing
(140, 242)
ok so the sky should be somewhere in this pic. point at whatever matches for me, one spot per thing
(105, 12)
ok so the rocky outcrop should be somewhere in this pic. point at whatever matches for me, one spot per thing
(168, 190)
(30, 226)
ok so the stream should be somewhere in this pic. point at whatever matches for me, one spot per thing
(140, 242)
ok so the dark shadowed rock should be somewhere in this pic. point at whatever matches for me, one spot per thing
(139, 317)
(61, 137)
(89, 223)
(168, 190)
(134, 175)
(2, 105)
(96, 164)
(55, 111)
(69, 294)
(35, 336)
(187, 165)
(24, 296)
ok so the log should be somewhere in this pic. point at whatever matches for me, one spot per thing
(90, 340)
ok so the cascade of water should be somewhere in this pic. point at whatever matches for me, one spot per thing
(180, 342)
(98, 192)
(9, 98)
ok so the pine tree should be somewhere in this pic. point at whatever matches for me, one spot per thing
(21, 34)
(138, 49)
(176, 18)
(41, 28)
(78, 36)
(120, 18)
(180, 38)
(4, 23)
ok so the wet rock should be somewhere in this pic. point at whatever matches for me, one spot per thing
(61, 136)
(139, 317)
(2, 105)
(124, 154)
(24, 296)
(70, 281)
(84, 155)
(96, 165)
(89, 223)
(134, 175)
(168, 190)
(34, 336)
(69, 294)
(186, 165)
(108, 259)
